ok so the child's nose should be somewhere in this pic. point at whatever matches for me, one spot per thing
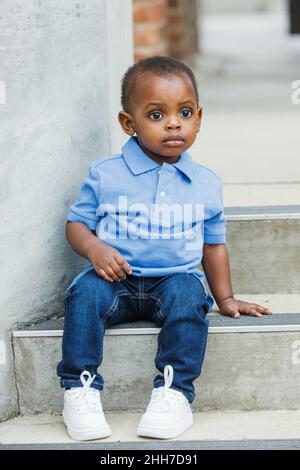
(173, 123)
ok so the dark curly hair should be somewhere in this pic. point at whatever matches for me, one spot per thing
(159, 65)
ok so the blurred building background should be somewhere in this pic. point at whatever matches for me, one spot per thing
(165, 27)
(245, 59)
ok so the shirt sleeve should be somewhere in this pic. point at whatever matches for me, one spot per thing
(215, 227)
(84, 210)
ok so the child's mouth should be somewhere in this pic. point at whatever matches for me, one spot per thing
(173, 143)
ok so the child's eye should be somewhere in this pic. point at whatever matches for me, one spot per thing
(185, 113)
(156, 116)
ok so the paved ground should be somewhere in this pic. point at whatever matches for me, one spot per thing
(250, 133)
(208, 426)
(253, 444)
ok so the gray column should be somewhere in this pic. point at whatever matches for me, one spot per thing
(60, 70)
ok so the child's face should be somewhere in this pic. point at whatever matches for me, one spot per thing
(163, 107)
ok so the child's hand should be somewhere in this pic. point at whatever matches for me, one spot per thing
(108, 262)
(233, 308)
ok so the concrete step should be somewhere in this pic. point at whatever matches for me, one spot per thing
(278, 429)
(264, 248)
(261, 194)
(251, 363)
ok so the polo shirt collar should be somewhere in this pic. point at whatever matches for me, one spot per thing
(139, 162)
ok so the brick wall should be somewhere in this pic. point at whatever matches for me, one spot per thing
(165, 27)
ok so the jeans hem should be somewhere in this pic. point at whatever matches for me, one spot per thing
(77, 383)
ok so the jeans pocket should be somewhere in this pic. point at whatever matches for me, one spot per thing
(71, 287)
(206, 308)
(112, 310)
(158, 316)
(69, 291)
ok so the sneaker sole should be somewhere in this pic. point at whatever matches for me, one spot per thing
(165, 433)
(89, 435)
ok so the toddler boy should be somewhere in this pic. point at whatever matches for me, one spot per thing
(145, 219)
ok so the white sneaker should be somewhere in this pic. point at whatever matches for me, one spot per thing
(168, 413)
(83, 414)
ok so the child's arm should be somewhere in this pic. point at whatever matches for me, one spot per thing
(215, 263)
(80, 237)
(107, 261)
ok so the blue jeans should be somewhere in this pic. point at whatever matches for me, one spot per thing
(176, 303)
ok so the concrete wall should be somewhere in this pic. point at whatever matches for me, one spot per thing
(60, 65)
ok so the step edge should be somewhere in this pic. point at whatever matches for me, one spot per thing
(253, 217)
(155, 331)
(174, 444)
(262, 212)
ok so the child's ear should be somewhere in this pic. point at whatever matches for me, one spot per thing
(126, 122)
(199, 113)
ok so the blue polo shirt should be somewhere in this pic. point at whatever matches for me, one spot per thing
(157, 216)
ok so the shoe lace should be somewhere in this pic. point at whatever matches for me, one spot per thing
(86, 398)
(164, 398)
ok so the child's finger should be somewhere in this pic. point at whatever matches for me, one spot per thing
(126, 267)
(249, 309)
(118, 271)
(103, 274)
(264, 310)
(110, 272)
(253, 312)
(233, 314)
(123, 264)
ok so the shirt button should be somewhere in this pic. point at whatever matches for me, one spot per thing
(162, 193)
(159, 172)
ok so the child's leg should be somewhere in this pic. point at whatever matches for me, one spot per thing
(90, 304)
(184, 328)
